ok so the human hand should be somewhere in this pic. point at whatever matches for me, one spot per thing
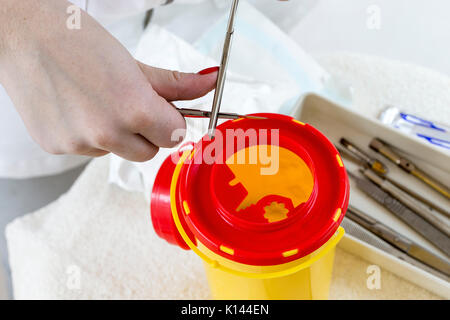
(81, 92)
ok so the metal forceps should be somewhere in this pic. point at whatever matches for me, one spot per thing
(195, 113)
(222, 71)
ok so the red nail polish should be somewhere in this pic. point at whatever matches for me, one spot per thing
(209, 70)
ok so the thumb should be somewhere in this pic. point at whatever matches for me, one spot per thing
(174, 85)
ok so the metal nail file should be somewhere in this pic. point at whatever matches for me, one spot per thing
(427, 230)
(412, 203)
(399, 241)
(222, 71)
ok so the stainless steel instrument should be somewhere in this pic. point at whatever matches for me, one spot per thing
(400, 242)
(407, 165)
(356, 152)
(195, 113)
(222, 71)
(427, 230)
(357, 231)
(419, 208)
(435, 208)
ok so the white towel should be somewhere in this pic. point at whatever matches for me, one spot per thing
(379, 83)
(97, 242)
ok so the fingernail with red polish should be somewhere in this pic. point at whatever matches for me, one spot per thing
(209, 70)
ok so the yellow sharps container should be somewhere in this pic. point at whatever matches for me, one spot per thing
(261, 204)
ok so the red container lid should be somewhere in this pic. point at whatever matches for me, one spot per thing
(161, 212)
(261, 201)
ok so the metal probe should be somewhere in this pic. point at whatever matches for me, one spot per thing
(222, 72)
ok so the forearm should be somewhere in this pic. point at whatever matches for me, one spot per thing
(20, 22)
(6, 29)
(28, 28)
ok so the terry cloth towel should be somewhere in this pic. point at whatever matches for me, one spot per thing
(97, 242)
(378, 83)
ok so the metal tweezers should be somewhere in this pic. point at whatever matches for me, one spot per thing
(195, 113)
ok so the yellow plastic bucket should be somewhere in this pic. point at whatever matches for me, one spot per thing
(259, 236)
(306, 279)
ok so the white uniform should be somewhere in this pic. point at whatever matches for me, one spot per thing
(20, 156)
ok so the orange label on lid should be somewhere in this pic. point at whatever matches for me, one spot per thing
(291, 178)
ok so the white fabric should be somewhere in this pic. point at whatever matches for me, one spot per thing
(108, 12)
(378, 83)
(20, 156)
(202, 14)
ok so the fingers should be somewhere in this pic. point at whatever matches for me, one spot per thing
(136, 149)
(159, 122)
(95, 153)
(75, 148)
(129, 146)
(174, 85)
(151, 122)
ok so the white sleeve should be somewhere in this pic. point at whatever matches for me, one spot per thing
(124, 6)
(113, 10)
